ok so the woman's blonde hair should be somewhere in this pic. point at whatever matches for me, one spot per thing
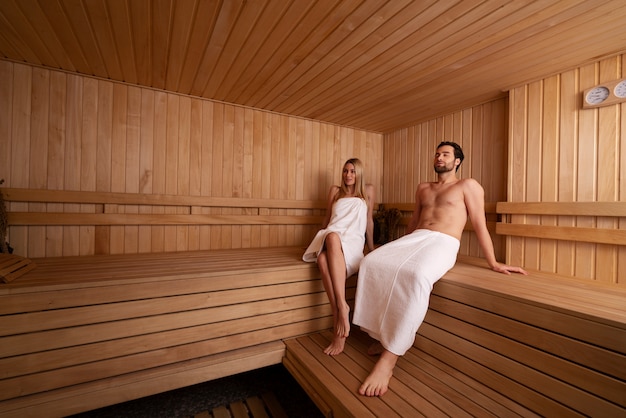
(359, 185)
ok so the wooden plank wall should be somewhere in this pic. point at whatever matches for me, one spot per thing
(562, 153)
(60, 131)
(480, 130)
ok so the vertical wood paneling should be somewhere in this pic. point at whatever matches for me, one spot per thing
(89, 147)
(56, 156)
(77, 133)
(621, 126)
(480, 130)
(103, 158)
(38, 152)
(577, 154)
(71, 175)
(566, 175)
(6, 117)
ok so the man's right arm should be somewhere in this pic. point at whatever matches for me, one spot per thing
(414, 222)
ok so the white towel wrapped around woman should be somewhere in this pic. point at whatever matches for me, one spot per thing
(349, 221)
(394, 285)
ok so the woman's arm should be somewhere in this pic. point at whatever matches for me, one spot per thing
(371, 202)
(329, 205)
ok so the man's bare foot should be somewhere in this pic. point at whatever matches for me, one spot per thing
(377, 383)
(336, 346)
(342, 326)
(375, 349)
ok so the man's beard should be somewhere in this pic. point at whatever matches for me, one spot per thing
(443, 168)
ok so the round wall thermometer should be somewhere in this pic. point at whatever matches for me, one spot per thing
(620, 89)
(597, 95)
(605, 94)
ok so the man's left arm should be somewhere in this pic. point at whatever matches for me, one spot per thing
(475, 203)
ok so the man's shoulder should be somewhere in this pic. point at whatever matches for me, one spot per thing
(468, 180)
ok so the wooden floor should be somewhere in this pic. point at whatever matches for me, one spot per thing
(421, 386)
(264, 406)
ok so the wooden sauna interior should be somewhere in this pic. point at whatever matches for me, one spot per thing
(263, 100)
(135, 132)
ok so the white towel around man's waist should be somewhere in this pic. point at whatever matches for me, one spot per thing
(394, 285)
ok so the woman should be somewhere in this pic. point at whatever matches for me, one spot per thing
(338, 246)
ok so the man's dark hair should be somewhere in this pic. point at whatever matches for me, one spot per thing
(458, 151)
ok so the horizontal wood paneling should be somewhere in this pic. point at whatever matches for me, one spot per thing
(480, 130)
(64, 132)
(560, 152)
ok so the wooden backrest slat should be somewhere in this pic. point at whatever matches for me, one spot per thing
(85, 197)
(519, 228)
(567, 233)
(49, 218)
(613, 209)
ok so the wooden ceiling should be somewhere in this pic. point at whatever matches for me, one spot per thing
(371, 64)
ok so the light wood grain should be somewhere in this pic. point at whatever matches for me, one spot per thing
(490, 344)
(153, 153)
(131, 325)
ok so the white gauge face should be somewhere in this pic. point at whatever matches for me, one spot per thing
(597, 95)
(620, 89)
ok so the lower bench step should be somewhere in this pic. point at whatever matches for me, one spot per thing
(421, 385)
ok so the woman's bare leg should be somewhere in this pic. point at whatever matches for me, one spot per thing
(377, 383)
(337, 267)
(333, 268)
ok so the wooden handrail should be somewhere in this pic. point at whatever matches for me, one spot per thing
(85, 197)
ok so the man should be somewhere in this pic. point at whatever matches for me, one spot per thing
(395, 281)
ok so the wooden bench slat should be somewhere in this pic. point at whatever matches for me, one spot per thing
(332, 390)
(76, 321)
(594, 300)
(142, 308)
(34, 348)
(548, 343)
(345, 376)
(105, 392)
(84, 197)
(578, 376)
(536, 345)
(402, 401)
(554, 390)
(489, 399)
(584, 301)
(610, 209)
(226, 337)
(100, 219)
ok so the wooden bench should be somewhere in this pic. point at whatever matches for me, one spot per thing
(79, 333)
(491, 345)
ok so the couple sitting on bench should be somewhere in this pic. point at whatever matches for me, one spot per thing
(395, 280)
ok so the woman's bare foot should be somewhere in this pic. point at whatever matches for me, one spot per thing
(342, 326)
(336, 346)
(377, 383)
(375, 349)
